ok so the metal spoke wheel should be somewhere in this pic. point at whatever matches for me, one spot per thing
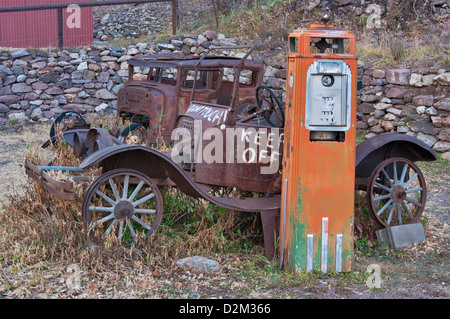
(266, 99)
(397, 192)
(124, 203)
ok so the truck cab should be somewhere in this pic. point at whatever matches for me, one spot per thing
(160, 88)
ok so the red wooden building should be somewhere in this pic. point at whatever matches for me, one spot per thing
(39, 29)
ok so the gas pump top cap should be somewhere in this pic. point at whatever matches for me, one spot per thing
(321, 26)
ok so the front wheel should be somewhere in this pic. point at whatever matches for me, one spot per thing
(123, 203)
(397, 192)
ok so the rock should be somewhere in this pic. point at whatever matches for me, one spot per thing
(382, 106)
(398, 76)
(377, 129)
(36, 114)
(388, 126)
(379, 114)
(198, 264)
(102, 107)
(421, 109)
(6, 90)
(201, 39)
(82, 66)
(104, 94)
(416, 80)
(443, 78)
(50, 77)
(394, 111)
(442, 146)
(21, 88)
(132, 51)
(446, 156)
(379, 74)
(10, 99)
(372, 121)
(103, 77)
(189, 42)
(430, 140)
(18, 116)
(437, 121)
(365, 108)
(104, 19)
(175, 43)
(3, 108)
(428, 79)
(124, 58)
(403, 129)
(421, 123)
(210, 34)
(431, 111)
(10, 79)
(21, 78)
(444, 135)
(48, 114)
(361, 125)
(39, 86)
(108, 58)
(396, 92)
(19, 53)
(443, 104)
(426, 100)
(166, 46)
(344, 2)
(4, 71)
(389, 117)
(54, 90)
(270, 71)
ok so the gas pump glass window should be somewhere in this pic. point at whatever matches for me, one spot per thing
(329, 45)
(328, 100)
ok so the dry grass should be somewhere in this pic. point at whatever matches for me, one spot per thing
(396, 52)
(46, 229)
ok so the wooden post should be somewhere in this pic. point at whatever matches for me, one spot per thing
(60, 28)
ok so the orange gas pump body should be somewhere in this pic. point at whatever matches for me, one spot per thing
(319, 159)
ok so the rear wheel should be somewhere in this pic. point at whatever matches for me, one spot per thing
(396, 193)
(123, 203)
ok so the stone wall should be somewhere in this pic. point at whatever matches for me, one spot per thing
(410, 101)
(37, 86)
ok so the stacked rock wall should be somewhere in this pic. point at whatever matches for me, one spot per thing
(37, 86)
(410, 101)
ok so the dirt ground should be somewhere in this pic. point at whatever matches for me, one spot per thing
(420, 271)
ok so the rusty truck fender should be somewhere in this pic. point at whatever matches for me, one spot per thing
(164, 171)
(374, 150)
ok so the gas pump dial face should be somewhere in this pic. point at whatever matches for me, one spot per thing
(327, 80)
(328, 96)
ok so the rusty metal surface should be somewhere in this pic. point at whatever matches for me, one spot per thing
(373, 151)
(160, 167)
(60, 189)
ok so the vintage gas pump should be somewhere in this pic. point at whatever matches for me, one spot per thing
(319, 151)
